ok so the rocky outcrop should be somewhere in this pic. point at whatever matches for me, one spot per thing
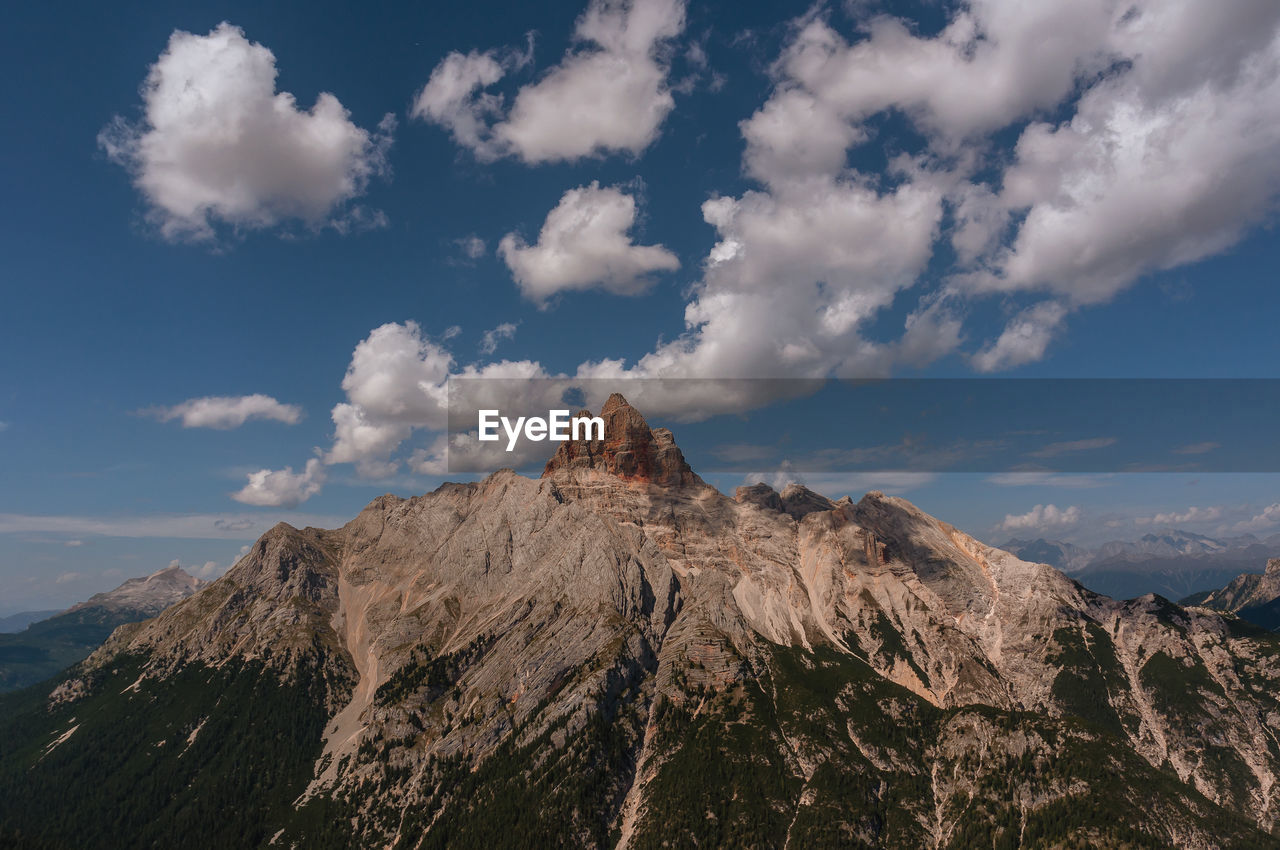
(630, 450)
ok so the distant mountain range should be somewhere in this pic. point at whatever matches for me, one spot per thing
(618, 655)
(1174, 564)
(53, 643)
(17, 622)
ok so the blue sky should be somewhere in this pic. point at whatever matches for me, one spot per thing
(744, 190)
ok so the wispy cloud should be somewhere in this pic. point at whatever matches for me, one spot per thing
(1048, 479)
(1191, 514)
(472, 247)
(489, 342)
(183, 526)
(226, 412)
(1197, 448)
(1070, 446)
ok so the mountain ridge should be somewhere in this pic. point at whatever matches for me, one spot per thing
(54, 643)
(608, 653)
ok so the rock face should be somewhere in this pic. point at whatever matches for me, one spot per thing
(1248, 590)
(630, 450)
(1253, 597)
(617, 654)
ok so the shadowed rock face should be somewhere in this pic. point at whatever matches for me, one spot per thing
(610, 631)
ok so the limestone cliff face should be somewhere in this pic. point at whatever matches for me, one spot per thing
(618, 609)
(1247, 590)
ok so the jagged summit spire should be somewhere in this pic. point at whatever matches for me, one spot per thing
(630, 450)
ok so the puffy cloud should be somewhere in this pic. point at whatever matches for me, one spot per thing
(396, 381)
(1139, 177)
(282, 487)
(489, 342)
(1191, 514)
(225, 412)
(1146, 132)
(1267, 518)
(787, 290)
(454, 98)
(610, 95)
(1141, 180)
(218, 143)
(584, 243)
(1023, 340)
(398, 384)
(1042, 517)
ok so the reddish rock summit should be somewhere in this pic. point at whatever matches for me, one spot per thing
(630, 450)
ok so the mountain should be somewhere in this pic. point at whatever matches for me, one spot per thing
(17, 622)
(1168, 544)
(1255, 598)
(1172, 563)
(1056, 553)
(49, 645)
(618, 655)
(1171, 577)
(148, 595)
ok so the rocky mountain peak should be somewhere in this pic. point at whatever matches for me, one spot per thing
(630, 450)
(761, 495)
(795, 500)
(147, 594)
(1273, 567)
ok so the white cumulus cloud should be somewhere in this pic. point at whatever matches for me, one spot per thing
(282, 487)
(217, 143)
(584, 244)
(1191, 514)
(1023, 340)
(609, 94)
(1042, 517)
(1267, 518)
(225, 412)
